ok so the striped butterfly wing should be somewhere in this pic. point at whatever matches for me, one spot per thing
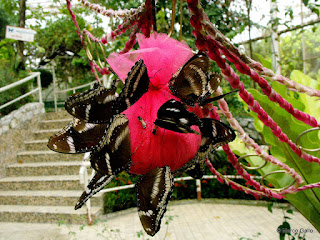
(214, 80)
(214, 134)
(154, 190)
(77, 137)
(98, 105)
(93, 105)
(196, 170)
(98, 182)
(136, 84)
(190, 82)
(172, 115)
(113, 153)
(193, 168)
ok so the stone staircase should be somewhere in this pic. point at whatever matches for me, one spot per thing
(43, 186)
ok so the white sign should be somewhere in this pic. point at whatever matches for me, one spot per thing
(22, 34)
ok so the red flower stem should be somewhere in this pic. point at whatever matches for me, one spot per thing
(239, 187)
(305, 187)
(89, 34)
(235, 82)
(201, 44)
(234, 161)
(114, 13)
(122, 28)
(291, 85)
(250, 142)
(267, 90)
(74, 19)
(131, 42)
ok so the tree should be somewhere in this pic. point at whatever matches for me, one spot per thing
(22, 23)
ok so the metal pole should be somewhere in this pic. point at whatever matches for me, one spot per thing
(275, 39)
(303, 41)
(105, 80)
(40, 88)
(54, 87)
(198, 184)
(88, 203)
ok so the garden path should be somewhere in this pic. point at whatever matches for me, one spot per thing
(189, 219)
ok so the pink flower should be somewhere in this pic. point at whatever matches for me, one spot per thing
(163, 56)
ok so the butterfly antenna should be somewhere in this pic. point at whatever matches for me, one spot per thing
(206, 101)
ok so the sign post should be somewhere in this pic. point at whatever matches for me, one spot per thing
(18, 33)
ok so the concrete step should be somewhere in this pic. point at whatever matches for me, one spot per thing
(46, 156)
(43, 168)
(45, 134)
(46, 198)
(36, 145)
(62, 114)
(44, 214)
(58, 182)
(54, 124)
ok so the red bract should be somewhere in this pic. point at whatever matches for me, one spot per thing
(163, 56)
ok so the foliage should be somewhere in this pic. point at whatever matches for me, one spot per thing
(285, 229)
(9, 14)
(228, 19)
(59, 37)
(291, 52)
(307, 202)
(9, 75)
(119, 200)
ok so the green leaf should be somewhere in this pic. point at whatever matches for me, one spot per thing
(266, 63)
(290, 211)
(307, 202)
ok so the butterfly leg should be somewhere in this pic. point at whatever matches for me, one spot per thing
(98, 182)
(154, 190)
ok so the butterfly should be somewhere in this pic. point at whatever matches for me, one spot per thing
(99, 127)
(98, 105)
(110, 156)
(154, 190)
(173, 115)
(193, 82)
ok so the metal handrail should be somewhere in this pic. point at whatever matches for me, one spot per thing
(76, 88)
(104, 79)
(24, 80)
(83, 174)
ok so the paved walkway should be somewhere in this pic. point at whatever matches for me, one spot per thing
(187, 220)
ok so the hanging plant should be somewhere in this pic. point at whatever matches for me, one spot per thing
(163, 121)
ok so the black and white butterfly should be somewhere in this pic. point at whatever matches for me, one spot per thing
(98, 105)
(172, 115)
(154, 190)
(214, 134)
(77, 137)
(194, 82)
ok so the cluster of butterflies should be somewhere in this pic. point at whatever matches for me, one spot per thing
(99, 127)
